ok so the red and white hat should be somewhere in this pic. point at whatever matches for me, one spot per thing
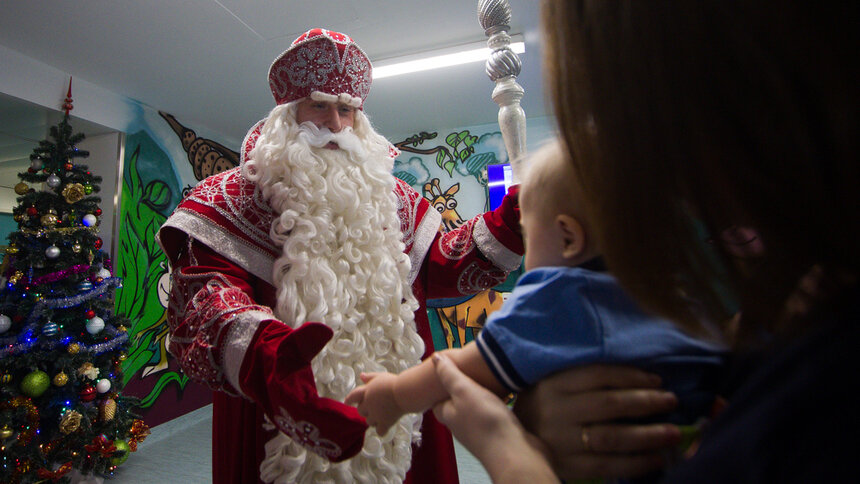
(325, 62)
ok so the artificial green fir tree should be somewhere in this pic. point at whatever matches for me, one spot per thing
(61, 345)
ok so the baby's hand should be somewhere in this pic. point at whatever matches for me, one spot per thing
(375, 401)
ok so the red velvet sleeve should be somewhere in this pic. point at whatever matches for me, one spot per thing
(477, 255)
(224, 339)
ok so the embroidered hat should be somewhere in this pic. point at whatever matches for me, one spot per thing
(324, 62)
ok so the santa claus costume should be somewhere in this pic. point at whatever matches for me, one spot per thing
(304, 267)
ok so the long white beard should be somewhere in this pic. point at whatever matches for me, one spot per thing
(342, 264)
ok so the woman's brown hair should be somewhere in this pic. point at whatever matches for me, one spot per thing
(685, 118)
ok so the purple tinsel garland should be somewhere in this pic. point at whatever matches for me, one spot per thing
(56, 276)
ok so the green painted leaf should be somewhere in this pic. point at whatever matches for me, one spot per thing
(163, 381)
(440, 158)
(452, 139)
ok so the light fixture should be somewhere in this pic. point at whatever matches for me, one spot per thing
(463, 54)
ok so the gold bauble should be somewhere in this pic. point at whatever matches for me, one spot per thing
(49, 219)
(122, 356)
(5, 432)
(12, 249)
(70, 422)
(76, 248)
(74, 348)
(22, 188)
(60, 379)
(107, 410)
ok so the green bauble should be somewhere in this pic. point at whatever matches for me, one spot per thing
(121, 446)
(35, 384)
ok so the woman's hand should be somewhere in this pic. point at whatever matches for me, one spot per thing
(573, 413)
(485, 426)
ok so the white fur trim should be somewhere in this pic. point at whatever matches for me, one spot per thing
(339, 98)
(424, 235)
(489, 245)
(236, 343)
(246, 255)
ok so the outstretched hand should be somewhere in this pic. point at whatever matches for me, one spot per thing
(375, 401)
(485, 426)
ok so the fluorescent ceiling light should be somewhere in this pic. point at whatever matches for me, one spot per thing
(439, 58)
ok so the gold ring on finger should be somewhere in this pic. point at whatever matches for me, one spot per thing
(586, 438)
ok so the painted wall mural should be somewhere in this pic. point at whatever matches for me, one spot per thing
(206, 157)
(149, 196)
(463, 159)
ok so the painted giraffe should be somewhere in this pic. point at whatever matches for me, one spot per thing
(461, 322)
(444, 203)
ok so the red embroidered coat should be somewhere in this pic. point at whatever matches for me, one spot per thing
(225, 335)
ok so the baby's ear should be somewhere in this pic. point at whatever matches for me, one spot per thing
(573, 234)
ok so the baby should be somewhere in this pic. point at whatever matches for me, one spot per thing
(560, 314)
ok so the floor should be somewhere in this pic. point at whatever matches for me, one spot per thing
(180, 451)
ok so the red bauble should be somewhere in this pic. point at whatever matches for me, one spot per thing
(88, 394)
(68, 166)
(98, 244)
(98, 212)
(32, 211)
(31, 170)
(90, 314)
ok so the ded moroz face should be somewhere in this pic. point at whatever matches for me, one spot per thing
(325, 114)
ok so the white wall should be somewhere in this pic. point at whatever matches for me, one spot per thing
(39, 83)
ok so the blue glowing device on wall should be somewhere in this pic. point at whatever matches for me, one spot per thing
(499, 179)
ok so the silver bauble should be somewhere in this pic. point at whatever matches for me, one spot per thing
(52, 252)
(95, 325)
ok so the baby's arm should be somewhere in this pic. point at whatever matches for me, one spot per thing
(386, 397)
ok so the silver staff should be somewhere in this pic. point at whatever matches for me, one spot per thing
(503, 67)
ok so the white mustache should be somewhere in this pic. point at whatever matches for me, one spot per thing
(319, 137)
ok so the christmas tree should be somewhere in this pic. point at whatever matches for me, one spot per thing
(61, 345)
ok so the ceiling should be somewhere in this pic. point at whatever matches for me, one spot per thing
(206, 61)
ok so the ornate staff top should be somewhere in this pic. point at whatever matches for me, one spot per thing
(503, 67)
